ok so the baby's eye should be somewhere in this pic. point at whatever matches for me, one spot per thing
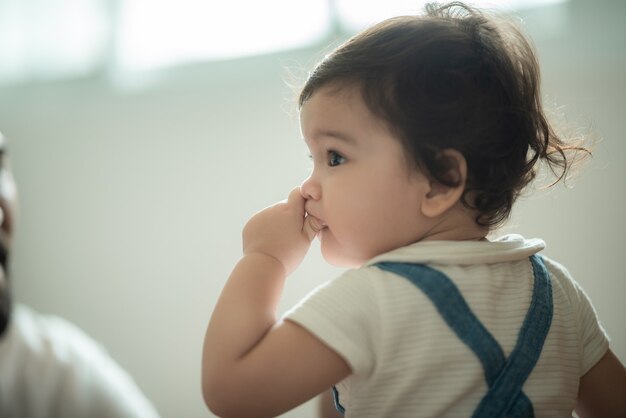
(334, 159)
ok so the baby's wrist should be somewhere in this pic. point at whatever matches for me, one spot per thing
(265, 261)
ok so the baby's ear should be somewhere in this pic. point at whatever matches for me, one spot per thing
(442, 197)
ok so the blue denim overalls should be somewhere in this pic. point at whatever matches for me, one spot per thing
(504, 376)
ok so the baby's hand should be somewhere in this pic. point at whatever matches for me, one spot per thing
(282, 231)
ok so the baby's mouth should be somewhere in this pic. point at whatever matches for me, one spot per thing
(319, 224)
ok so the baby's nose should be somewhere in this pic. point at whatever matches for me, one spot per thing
(310, 189)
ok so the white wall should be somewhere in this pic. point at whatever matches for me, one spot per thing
(132, 201)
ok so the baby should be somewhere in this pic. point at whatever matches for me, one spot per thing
(423, 130)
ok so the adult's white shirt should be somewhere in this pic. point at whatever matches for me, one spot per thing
(50, 368)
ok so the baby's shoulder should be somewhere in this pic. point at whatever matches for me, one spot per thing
(563, 284)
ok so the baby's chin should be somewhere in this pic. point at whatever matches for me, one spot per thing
(340, 260)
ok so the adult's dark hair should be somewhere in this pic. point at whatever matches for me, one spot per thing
(5, 291)
(5, 285)
(454, 78)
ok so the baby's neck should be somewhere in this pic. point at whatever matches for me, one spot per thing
(458, 224)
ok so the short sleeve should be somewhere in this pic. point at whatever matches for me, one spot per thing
(592, 338)
(343, 314)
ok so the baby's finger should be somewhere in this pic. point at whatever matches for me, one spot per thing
(312, 226)
(295, 198)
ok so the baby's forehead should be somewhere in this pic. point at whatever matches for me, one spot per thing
(341, 87)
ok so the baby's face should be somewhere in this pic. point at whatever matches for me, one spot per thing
(361, 187)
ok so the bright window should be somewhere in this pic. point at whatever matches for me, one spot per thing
(44, 39)
(157, 33)
(357, 14)
(50, 38)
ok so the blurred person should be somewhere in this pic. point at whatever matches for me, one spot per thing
(49, 367)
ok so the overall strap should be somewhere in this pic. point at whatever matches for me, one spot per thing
(500, 398)
(504, 377)
(338, 405)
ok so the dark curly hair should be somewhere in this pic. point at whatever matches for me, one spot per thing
(455, 78)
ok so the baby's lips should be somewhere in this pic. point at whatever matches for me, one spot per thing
(316, 223)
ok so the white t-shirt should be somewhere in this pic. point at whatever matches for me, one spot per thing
(51, 369)
(407, 362)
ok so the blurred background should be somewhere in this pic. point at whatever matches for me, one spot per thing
(144, 134)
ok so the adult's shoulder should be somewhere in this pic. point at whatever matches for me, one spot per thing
(52, 366)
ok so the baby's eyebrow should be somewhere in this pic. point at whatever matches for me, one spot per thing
(336, 135)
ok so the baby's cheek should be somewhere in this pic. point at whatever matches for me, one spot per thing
(344, 251)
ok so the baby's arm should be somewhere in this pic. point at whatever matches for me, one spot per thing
(253, 365)
(602, 391)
